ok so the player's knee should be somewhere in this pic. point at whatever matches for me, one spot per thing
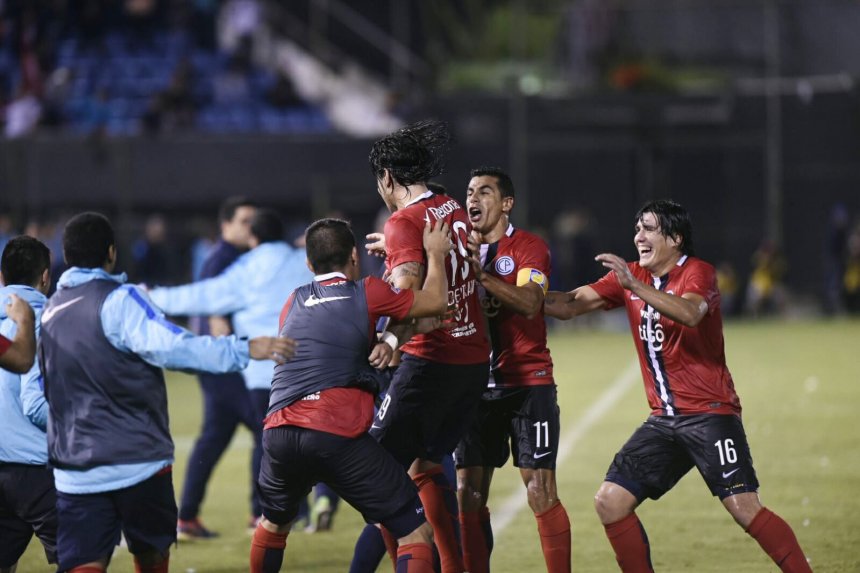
(609, 506)
(421, 534)
(541, 497)
(469, 498)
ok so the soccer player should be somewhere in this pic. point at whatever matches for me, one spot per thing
(673, 306)
(436, 389)
(226, 400)
(102, 346)
(519, 412)
(322, 400)
(18, 353)
(252, 290)
(27, 494)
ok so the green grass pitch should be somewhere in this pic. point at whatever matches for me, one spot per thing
(799, 383)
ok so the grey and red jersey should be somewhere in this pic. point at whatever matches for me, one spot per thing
(333, 319)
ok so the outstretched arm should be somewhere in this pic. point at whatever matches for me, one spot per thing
(566, 305)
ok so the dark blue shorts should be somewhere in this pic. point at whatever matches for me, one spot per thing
(523, 421)
(428, 408)
(90, 524)
(663, 449)
(27, 505)
(358, 469)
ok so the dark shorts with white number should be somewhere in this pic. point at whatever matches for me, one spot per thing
(358, 469)
(90, 524)
(428, 408)
(523, 421)
(28, 505)
(664, 448)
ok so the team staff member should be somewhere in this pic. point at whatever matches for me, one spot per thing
(252, 290)
(27, 495)
(226, 400)
(322, 400)
(673, 306)
(519, 411)
(102, 347)
(436, 389)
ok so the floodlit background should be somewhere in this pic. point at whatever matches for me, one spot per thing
(745, 111)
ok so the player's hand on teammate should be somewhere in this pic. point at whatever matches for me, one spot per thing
(437, 239)
(381, 355)
(277, 348)
(18, 310)
(619, 266)
(474, 245)
(375, 245)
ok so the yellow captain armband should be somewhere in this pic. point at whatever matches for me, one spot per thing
(525, 276)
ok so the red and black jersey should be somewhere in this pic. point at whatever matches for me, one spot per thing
(5, 343)
(520, 355)
(684, 368)
(323, 387)
(466, 343)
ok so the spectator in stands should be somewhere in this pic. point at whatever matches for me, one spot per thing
(22, 114)
(282, 93)
(835, 258)
(851, 278)
(765, 291)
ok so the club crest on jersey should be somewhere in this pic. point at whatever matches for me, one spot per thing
(505, 265)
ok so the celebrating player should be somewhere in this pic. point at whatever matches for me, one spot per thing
(436, 388)
(27, 495)
(101, 350)
(673, 306)
(519, 412)
(321, 404)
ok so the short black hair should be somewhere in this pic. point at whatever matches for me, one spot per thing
(503, 180)
(674, 222)
(267, 226)
(87, 239)
(413, 154)
(230, 205)
(24, 260)
(329, 244)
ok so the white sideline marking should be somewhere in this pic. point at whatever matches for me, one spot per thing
(517, 501)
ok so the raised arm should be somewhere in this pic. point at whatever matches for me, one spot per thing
(21, 352)
(432, 299)
(220, 295)
(133, 324)
(566, 305)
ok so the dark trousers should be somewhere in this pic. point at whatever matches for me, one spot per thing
(226, 404)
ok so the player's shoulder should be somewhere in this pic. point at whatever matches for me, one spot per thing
(527, 239)
(697, 265)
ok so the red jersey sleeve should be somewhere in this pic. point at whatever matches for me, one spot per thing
(404, 242)
(5, 343)
(610, 290)
(701, 279)
(534, 255)
(285, 310)
(386, 300)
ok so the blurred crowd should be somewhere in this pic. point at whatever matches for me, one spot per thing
(132, 67)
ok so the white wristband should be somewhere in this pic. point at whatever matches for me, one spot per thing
(389, 339)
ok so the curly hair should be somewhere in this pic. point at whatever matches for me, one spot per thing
(413, 154)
